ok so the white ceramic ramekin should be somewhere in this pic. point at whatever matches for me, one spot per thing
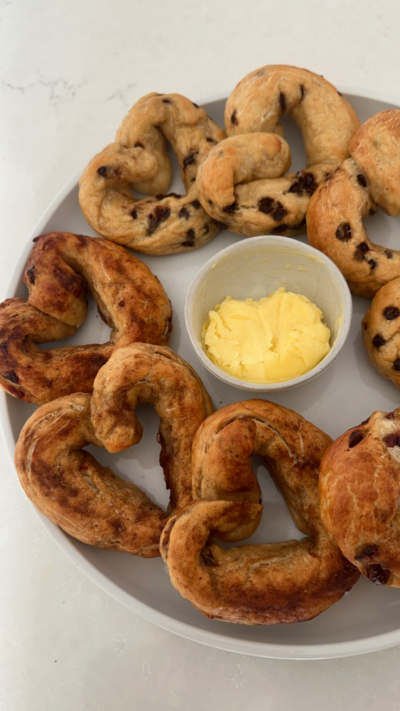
(254, 268)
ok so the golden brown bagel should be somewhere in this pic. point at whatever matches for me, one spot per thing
(381, 331)
(255, 584)
(360, 487)
(326, 120)
(145, 373)
(61, 266)
(370, 178)
(164, 224)
(87, 500)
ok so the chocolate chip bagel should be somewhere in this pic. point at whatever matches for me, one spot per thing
(366, 181)
(163, 224)
(327, 122)
(360, 488)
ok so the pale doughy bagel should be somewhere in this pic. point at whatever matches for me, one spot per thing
(327, 122)
(61, 267)
(360, 488)
(70, 487)
(255, 584)
(381, 331)
(370, 178)
(163, 224)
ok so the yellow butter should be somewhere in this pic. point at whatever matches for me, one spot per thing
(277, 338)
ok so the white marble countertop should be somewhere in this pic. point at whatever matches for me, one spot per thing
(69, 72)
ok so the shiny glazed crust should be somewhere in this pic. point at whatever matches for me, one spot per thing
(164, 224)
(360, 487)
(144, 373)
(369, 179)
(61, 267)
(381, 331)
(87, 500)
(255, 584)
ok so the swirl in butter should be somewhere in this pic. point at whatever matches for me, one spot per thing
(277, 338)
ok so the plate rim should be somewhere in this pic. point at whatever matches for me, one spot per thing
(333, 650)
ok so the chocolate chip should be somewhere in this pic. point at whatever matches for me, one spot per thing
(211, 140)
(362, 180)
(186, 243)
(369, 550)
(196, 204)
(191, 235)
(391, 416)
(355, 438)
(378, 341)
(266, 205)
(372, 263)
(30, 273)
(106, 171)
(309, 182)
(189, 160)
(10, 376)
(302, 91)
(363, 247)
(160, 215)
(391, 312)
(210, 202)
(359, 255)
(134, 214)
(234, 119)
(139, 145)
(377, 574)
(233, 207)
(282, 101)
(121, 303)
(280, 228)
(166, 101)
(392, 440)
(175, 195)
(207, 557)
(102, 171)
(396, 364)
(295, 188)
(184, 213)
(343, 232)
(388, 254)
(365, 422)
(221, 225)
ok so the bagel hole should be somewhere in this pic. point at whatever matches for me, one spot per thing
(294, 138)
(383, 229)
(276, 522)
(139, 464)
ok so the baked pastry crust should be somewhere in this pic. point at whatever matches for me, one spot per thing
(255, 584)
(87, 500)
(164, 224)
(360, 487)
(146, 373)
(327, 122)
(370, 178)
(130, 299)
(381, 331)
